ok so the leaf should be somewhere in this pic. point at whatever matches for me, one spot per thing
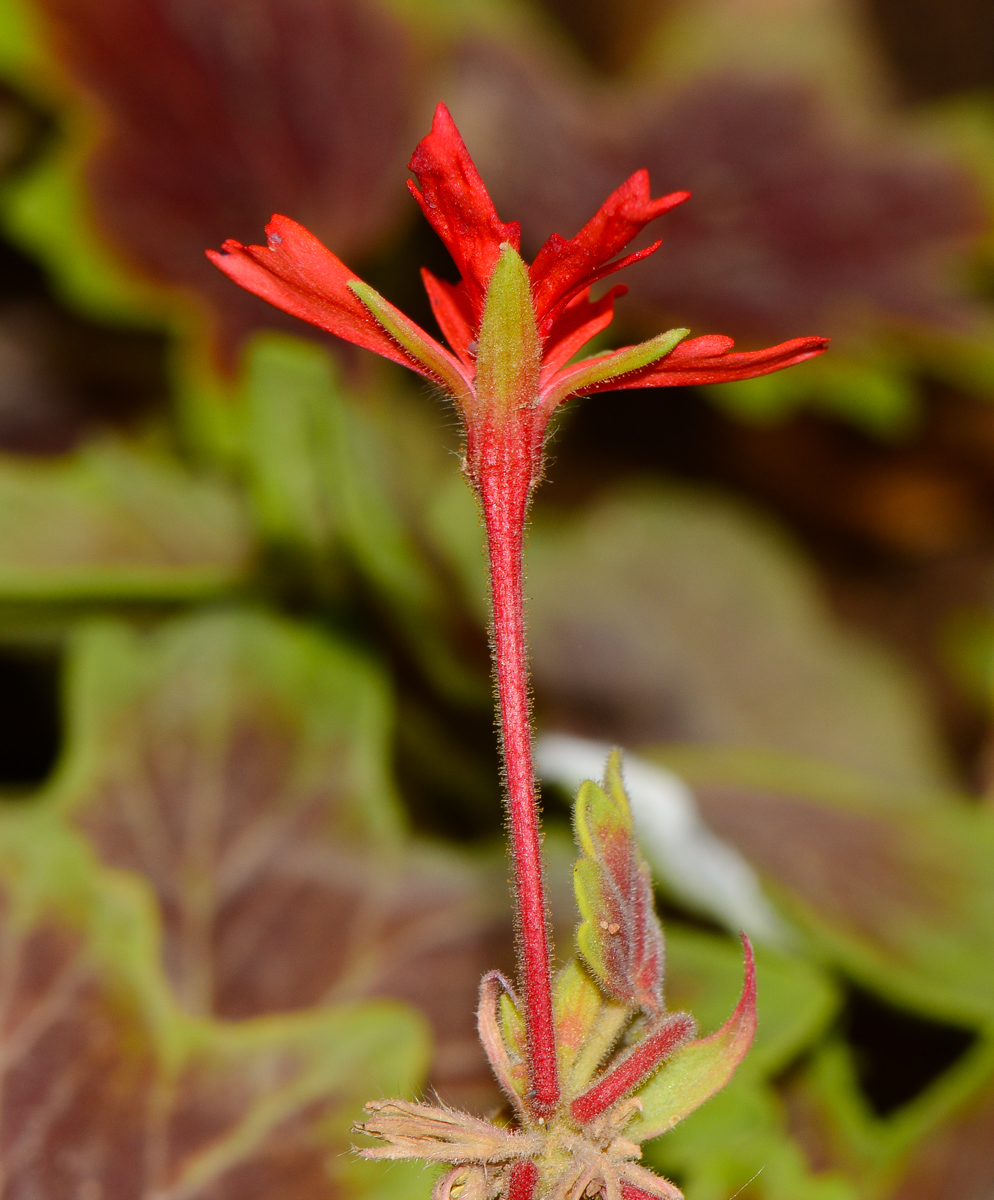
(700, 1068)
(894, 885)
(110, 523)
(335, 474)
(202, 137)
(828, 203)
(619, 935)
(681, 616)
(951, 1160)
(739, 1143)
(108, 1089)
(240, 763)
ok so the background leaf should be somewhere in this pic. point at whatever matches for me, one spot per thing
(111, 523)
(895, 886)
(106, 1085)
(240, 764)
(673, 614)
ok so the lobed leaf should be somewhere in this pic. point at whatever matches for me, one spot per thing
(619, 936)
(239, 763)
(107, 1088)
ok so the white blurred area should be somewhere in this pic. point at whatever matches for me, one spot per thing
(700, 870)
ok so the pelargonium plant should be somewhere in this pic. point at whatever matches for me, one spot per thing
(590, 1060)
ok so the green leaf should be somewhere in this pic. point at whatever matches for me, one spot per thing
(104, 1079)
(578, 1003)
(878, 395)
(240, 764)
(337, 474)
(619, 935)
(896, 886)
(739, 1143)
(795, 1004)
(109, 522)
(682, 615)
(796, 1000)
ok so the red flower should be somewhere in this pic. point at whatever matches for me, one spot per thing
(512, 331)
(548, 303)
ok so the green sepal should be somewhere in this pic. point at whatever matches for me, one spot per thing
(606, 367)
(508, 353)
(414, 340)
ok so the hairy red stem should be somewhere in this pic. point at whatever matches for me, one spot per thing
(504, 483)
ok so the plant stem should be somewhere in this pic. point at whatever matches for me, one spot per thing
(504, 492)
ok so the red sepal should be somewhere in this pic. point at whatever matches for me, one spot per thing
(298, 274)
(709, 359)
(563, 268)
(458, 206)
(634, 1068)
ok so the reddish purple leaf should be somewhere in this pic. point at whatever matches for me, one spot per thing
(219, 114)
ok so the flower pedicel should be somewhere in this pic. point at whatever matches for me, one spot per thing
(580, 1105)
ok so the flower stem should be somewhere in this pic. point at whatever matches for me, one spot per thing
(504, 492)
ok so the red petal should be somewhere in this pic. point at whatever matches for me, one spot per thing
(453, 312)
(708, 360)
(562, 268)
(296, 273)
(458, 206)
(579, 321)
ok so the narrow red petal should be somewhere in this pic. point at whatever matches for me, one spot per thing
(458, 206)
(579, 321)
(453, 313)
(562, 268)
(709, 360)
(296, 273)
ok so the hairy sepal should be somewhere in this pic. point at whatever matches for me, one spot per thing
(508, 354)
(619, 936)
(700, 1068)
(636, 1066)
(424, 350)
(578, 1004)
(502, 1037)
(603, 369)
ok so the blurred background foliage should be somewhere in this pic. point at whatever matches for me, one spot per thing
(250, 863)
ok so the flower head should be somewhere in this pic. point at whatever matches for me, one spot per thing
(512, 329)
